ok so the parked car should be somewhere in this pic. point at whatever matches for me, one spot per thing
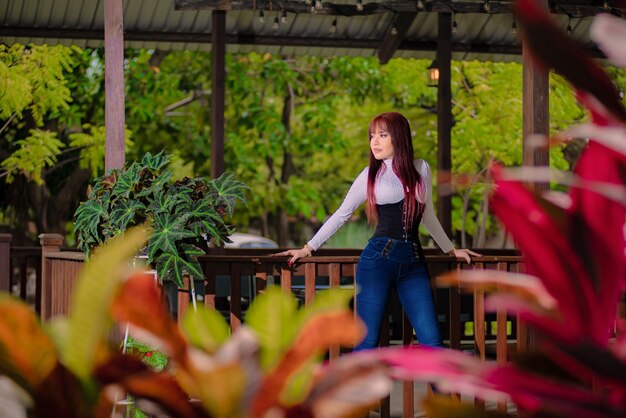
(242, 240)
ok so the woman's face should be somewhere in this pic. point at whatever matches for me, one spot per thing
(380, 143)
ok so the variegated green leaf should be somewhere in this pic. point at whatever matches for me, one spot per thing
(167, 230)
(273, 318)
(126, 182)
(205, 328)
(155, 162)
(228, 191)
(124, 213)
(89, 216)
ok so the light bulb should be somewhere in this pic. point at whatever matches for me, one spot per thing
(283, 18)
(394, 31)
(333, 27)
(454, 26)
(261, 16)
(487, 6)
(514, 28)
(318, 4)
(275, 25)
(420, 4)
(359, 5)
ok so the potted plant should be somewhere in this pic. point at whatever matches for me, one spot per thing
(184, 214)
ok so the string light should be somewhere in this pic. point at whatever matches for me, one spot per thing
(393, 31)
(569, 26)
(283, 18)
(359, 5)
(514, 28)
(455, 26)
(606, 5)
(318, 4)
(276, 23)
(420, 5)
(333, 27)
(261, 16)
(487, 6)
(308, 2)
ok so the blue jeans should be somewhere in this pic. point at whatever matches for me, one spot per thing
(385, 263)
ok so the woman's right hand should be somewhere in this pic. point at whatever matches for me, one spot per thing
(294, 254)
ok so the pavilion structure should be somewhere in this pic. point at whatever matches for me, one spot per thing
(441, 30)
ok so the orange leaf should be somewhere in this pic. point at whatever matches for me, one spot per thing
(25, 347)
(317, 335)
(139, 302)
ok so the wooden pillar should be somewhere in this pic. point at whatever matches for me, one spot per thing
(50, 243)
(5, 262)
(535, 110)
(114, 118)
(218, 80)
(535, 121)
(444, 120)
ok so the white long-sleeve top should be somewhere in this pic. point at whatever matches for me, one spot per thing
(387, 189)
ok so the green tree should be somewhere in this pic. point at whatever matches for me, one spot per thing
(46, 94)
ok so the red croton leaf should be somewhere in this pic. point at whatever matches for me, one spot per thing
(62, 395)
(552, 48)
(140, 304)
(159, 388)
(598, 233)
(538, 229)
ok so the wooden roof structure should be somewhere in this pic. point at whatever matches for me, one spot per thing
(482, 29)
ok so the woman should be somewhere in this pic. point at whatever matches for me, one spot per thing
(397, 192)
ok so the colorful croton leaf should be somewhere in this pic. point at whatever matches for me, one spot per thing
(574, 255)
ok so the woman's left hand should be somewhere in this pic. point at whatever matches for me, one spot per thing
(465, 254)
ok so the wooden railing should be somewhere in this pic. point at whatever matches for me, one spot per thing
(335, 268)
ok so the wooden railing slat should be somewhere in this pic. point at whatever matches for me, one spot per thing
(310, 275)
(235, 296)
(285, 278)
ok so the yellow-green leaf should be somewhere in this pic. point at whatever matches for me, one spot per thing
(96, 286)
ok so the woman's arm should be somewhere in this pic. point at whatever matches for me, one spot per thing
(431, 222)
(354, 198)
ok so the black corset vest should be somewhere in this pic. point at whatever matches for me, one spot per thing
(391, 223)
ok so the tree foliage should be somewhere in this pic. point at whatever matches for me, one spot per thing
(296, 128)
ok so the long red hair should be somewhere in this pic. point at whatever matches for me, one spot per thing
(397, 126)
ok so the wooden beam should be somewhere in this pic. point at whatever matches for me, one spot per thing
(444, 121)
(577, 8)
(218, 87)
(395, 34)
(251, 39)
(114, 117)
(535, 109)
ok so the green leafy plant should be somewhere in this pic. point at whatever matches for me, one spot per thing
(184, 214)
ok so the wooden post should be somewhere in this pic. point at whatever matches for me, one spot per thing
(50, 243)
(444, 121)
(218, 80)
(535, 122)
(114, 118)
(535, 109)
(5, 262)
